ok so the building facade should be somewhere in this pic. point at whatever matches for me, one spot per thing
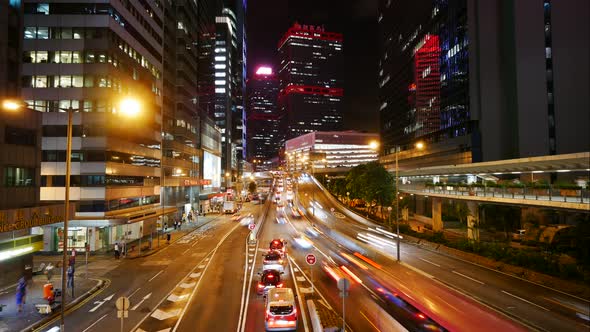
(310, 80)
(482, 81)
(330, 151)
(85, 58)
(227, 88)
(180, 125)
(263, 120)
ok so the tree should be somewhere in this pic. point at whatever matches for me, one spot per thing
(378, 185)
(252, 187)
(354, 183)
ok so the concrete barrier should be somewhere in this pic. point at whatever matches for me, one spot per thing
(314, 317)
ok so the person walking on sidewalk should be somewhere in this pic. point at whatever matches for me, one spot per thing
(116, 250)
(21, 293)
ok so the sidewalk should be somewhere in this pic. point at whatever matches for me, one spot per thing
(160, 244)
(12, 320)
(99, 263)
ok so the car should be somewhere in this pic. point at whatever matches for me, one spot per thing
(281, 311)
(273, 261)
(278, 245)
(281, 220)
(268, 279)
(236, 217)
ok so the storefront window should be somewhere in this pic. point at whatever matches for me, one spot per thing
(19, 177)
(77, 238)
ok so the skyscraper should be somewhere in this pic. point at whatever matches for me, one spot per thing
(263, 132)
(228, 87)
(180, 125)
(310, 79)
(477, 86)
(85, 57)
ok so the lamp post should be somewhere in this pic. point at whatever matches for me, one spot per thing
(374, 145)
(129, 107)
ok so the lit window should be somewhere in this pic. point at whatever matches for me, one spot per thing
(220, 74)
(219, 90)
(548, 52)
(219, 82)
(220, 58)
(30, 32)
(220, 66)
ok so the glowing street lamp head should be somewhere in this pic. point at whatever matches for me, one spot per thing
(11, 105)
(373, 145)
(130, 106)
(420, 145)
(264, 70)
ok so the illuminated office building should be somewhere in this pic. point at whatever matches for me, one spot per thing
(310, 79)
(330, 151)
(263, 133)
(86, 57)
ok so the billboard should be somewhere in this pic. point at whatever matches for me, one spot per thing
(211, 170)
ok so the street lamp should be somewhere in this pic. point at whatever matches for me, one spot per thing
(129, 107)
(419, 145)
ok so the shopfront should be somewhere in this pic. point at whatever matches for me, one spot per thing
(18, 242)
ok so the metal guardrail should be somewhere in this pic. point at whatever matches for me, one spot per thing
(528, 193)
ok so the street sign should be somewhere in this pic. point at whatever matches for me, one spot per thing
(122, 303)
(251, 226)
(343, 284)
(310, 259)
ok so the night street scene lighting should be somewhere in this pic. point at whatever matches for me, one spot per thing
(266, 165)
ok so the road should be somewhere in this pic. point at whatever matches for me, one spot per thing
(536, 306)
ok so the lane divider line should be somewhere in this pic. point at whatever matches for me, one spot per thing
(525, 300)
(208, 260)
(468, 277)
(136, 327)
(299, 298)
(157, 274)
(427, 261)
(368, 320)
(96, 322)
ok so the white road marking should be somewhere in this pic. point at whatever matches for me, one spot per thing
(96, 322)
(201, 266)
(524, 300)
(165, 330)
(295, 269)
(250, 261)
(184, 252)
(176, 298)
(157, 274)
(133, 293)
(140, 302)
(185, 285)
(468, 277)
(162, 315)
(300, 279)
(427, 261)
(251, 255)
(305, 289)
(195, 275)
(99, 303)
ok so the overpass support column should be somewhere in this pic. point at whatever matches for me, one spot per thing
(437, 224)
(473, 221)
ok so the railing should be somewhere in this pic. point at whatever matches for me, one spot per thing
(528, 193)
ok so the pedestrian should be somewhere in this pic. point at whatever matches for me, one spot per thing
(180, 225)
(175, 222)
(70, 280)
(168, 238)
(21, 293)
(49, 271)
(116, 250)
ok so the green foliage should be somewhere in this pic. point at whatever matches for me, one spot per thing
(371, 183)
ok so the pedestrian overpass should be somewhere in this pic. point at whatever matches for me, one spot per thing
(487, 182)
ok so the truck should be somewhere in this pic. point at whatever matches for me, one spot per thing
(229, 207)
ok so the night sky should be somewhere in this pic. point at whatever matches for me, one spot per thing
(268, 20)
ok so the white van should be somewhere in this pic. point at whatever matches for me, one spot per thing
(281, 311)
